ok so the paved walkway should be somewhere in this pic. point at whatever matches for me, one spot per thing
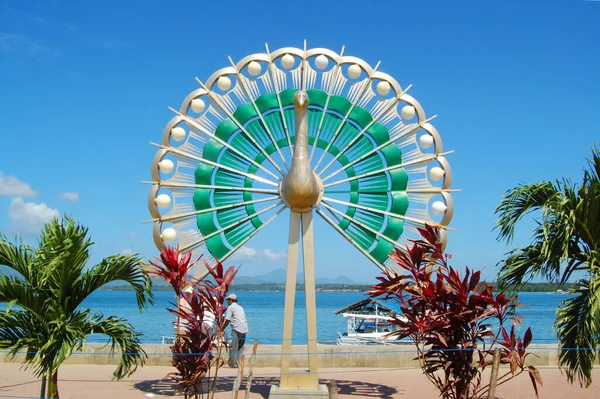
(93, 382)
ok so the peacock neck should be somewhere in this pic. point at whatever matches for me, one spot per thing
(301, 189)
(301, 142)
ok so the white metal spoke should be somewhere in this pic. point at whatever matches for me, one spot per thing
(216, 164)
(358, 223)
(240, 79)
(191, 122)
(230, 226)
(336, 70)
(350, 240)
(409, 129)
(379, 171)
(212, 187)
(238, 124)
(277, 90)
(252, 234)
(168, 218)
(323, 115)
(432, 190)
(366, 83)
(373, 210)
(358, 136)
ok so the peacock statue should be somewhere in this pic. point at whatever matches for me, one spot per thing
(305, 130)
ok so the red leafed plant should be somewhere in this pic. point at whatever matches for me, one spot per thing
(194, 345)
(449, 318)
(173, 267)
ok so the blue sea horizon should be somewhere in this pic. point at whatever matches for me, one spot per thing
(264, 311)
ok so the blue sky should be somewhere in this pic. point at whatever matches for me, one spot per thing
(85, 86)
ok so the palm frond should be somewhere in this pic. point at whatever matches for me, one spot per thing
(592, 173)
(22, 331)
(19, 292)
(587, 215)
(121, 336)
(126, 268)
(520, 201)
(63, 252)
(578, 329)
(544, 256)
(16, 257)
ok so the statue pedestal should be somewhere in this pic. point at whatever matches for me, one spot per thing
(291, 393)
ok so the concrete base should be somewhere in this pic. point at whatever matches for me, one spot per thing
(321, 392)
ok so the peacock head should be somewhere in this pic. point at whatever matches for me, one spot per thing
(301, 99)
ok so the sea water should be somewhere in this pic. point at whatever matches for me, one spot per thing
(264, 312)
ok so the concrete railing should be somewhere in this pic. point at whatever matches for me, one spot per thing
(330, 356)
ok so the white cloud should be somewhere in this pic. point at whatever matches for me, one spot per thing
(244, 253)
(69, 196)
(250, 254)
(273, 255)
(29, 217)
(127, 251)
(11, 186)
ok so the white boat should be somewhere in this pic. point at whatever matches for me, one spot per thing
(369, 322)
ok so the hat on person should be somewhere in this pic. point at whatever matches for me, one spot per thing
(188, 289)
(232, 297)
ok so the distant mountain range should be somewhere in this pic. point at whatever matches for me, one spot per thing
(278, 277)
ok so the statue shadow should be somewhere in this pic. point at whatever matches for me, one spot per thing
(262, 387)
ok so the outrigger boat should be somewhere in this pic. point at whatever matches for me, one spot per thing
(369, 322)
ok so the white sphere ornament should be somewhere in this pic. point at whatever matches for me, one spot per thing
(169, 235)
(163, 201)
(436, 173)
(321, 62)
(383, 88)
(166, 166)
(354, 71)
(178, 133)
(438, 208)
(408, 112)
(287, 61)
(426, 140)
(198, 105)
(224, 83)
(254, 68)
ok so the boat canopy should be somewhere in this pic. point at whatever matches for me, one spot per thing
(367, 306)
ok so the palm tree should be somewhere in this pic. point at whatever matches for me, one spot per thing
(565, 243)
(49, 286)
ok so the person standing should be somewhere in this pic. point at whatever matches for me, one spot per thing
(209, 323)
(185, 308)
(235, 316)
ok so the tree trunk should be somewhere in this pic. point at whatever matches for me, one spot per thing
(494, 376)
(53, 385)
(43, 389)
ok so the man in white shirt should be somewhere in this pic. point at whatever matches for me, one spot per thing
(209, 323)
(184, 307)
(235, 316)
